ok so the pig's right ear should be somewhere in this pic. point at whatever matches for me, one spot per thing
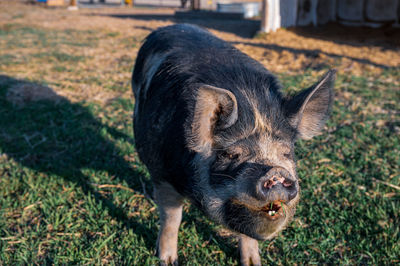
(215, 109)
(309, 110)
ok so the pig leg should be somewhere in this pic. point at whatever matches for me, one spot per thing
(248, 248)
(170, 208)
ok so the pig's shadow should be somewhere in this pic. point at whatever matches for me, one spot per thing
(47, 133)
(209, 234)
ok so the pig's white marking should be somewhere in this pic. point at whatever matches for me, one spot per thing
(170, 208)
(260, 123)
(150, 67)
(249, 254)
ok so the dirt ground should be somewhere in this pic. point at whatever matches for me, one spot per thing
(293, 50)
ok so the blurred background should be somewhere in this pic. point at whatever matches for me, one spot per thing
(274, 14)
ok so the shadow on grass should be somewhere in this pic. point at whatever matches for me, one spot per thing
(209, 234)
(387, 38)
(313, 53)
(47, 133)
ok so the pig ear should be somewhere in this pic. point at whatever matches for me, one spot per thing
(215, 108)
(309, 110)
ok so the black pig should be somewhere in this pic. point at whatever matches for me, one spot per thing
(211, 125)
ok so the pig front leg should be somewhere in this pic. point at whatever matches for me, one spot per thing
(170, 208)
(248, 248)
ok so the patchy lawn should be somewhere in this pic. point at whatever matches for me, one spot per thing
(73, 191)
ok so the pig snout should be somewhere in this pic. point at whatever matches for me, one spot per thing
(276, 184)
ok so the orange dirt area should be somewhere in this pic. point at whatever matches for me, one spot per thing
(118, 32)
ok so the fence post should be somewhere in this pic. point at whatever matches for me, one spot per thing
(264, 16)
(195, 4)
(270, 15)
(73, 5)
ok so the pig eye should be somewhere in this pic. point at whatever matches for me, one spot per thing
(229, 156)
(287, 155)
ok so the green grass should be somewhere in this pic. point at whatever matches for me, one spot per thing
(72, 190)
(23, 36)
(9, 59)
(55, 56)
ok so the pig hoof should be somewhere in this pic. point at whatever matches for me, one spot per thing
(169, 260)
(249, 253)
(174, 263)
(253, 260)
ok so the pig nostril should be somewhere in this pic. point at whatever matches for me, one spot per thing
(287, 183)
(268, 184)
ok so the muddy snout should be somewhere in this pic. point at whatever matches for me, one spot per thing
(276, 185)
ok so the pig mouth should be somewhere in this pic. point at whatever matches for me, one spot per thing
(274, 210)
(259, 222)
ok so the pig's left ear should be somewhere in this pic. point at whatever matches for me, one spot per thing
(309, 110)
(215, 109)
